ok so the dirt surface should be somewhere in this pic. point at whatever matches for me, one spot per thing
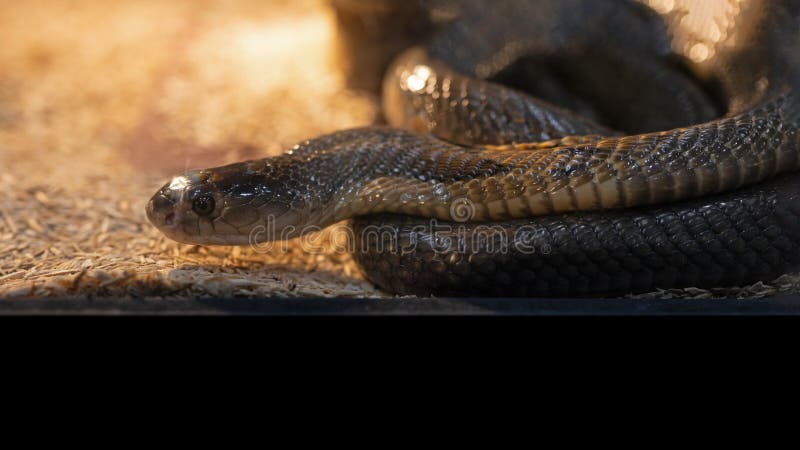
(101, 102)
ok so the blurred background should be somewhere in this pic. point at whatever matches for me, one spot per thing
(101, 101)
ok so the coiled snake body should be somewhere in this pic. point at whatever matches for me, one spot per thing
(490, 188)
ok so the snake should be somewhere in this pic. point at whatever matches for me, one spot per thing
(559, 148)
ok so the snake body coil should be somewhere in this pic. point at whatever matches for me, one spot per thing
(493, 189)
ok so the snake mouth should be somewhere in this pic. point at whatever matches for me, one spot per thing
(161, 212)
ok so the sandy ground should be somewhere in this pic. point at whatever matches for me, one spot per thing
(100, 102)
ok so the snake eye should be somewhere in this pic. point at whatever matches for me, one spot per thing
(203, 205)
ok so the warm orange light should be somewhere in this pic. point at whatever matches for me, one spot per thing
(417, 80)
(698, 27)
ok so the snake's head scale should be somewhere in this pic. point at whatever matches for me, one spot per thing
(183, 204)
(229, 205)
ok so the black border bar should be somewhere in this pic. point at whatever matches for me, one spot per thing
(779, 305)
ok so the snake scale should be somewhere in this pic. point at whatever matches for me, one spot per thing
(545, 148)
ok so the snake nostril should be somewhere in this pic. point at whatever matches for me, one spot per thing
(169, 218)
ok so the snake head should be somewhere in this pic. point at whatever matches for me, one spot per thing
(225, 205)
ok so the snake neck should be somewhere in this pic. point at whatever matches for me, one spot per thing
(376, 170)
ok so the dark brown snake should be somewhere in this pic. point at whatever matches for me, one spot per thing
(486, 187)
